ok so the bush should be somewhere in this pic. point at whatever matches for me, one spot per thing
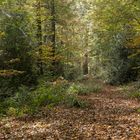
(19, 104)
(12, 111)
(43, 96)
(27, 101)
(84, 89)
(73, 101)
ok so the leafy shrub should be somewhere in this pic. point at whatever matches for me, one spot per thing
(90, 89)
(43, 96)
(60, 92)
(73, 88)
(12, 111)
(84, 89)
(19, 104)
(73, 101)
(29, 101)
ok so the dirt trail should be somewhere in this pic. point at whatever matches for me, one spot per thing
(110, 116)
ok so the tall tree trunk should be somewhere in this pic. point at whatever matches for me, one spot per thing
(86, 63)
(39, 34)
(53, 35)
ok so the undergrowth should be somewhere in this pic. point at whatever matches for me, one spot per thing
(132, 90)
(88, 86)
(30, 101)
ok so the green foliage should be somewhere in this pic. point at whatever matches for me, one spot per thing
(131, 90)
(135, 94)
(73, 101)
(85, 88)
(30, 101)
(73, 89)
(11, 111)
(45, 95)
(113, 31)
(16, 61)
(3, 108)
(138, 110)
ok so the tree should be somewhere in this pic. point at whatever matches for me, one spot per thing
(39, 34)
(113, 30)
(15, 44)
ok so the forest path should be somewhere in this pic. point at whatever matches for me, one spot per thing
(110, 116)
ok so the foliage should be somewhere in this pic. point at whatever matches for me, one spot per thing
(84, 89)
(114, 28)
(15, 47)
(135, 94)
(73, 101)
(28, 100)
(131, 90)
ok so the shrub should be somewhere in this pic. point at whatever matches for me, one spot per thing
(27, 101)
(89, 89)
(12, 111)
(43, 96)
(84, 89)
(73, 101)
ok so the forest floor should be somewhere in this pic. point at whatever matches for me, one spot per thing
(111, 115)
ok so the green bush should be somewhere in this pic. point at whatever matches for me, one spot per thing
(60, 93)
(84, 89)
(73, 89)
(12, 111)
(73, 101)
(89, 89)
(44, 95)
(30, 101)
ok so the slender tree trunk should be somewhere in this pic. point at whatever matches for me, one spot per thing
(39, 34)
(85, 65)
(53, 35)
(53, 26)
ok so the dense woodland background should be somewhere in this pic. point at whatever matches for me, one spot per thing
(52, 51)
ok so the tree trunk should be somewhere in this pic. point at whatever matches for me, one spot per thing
(85, 65)
(39, 34)
(53, 35)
